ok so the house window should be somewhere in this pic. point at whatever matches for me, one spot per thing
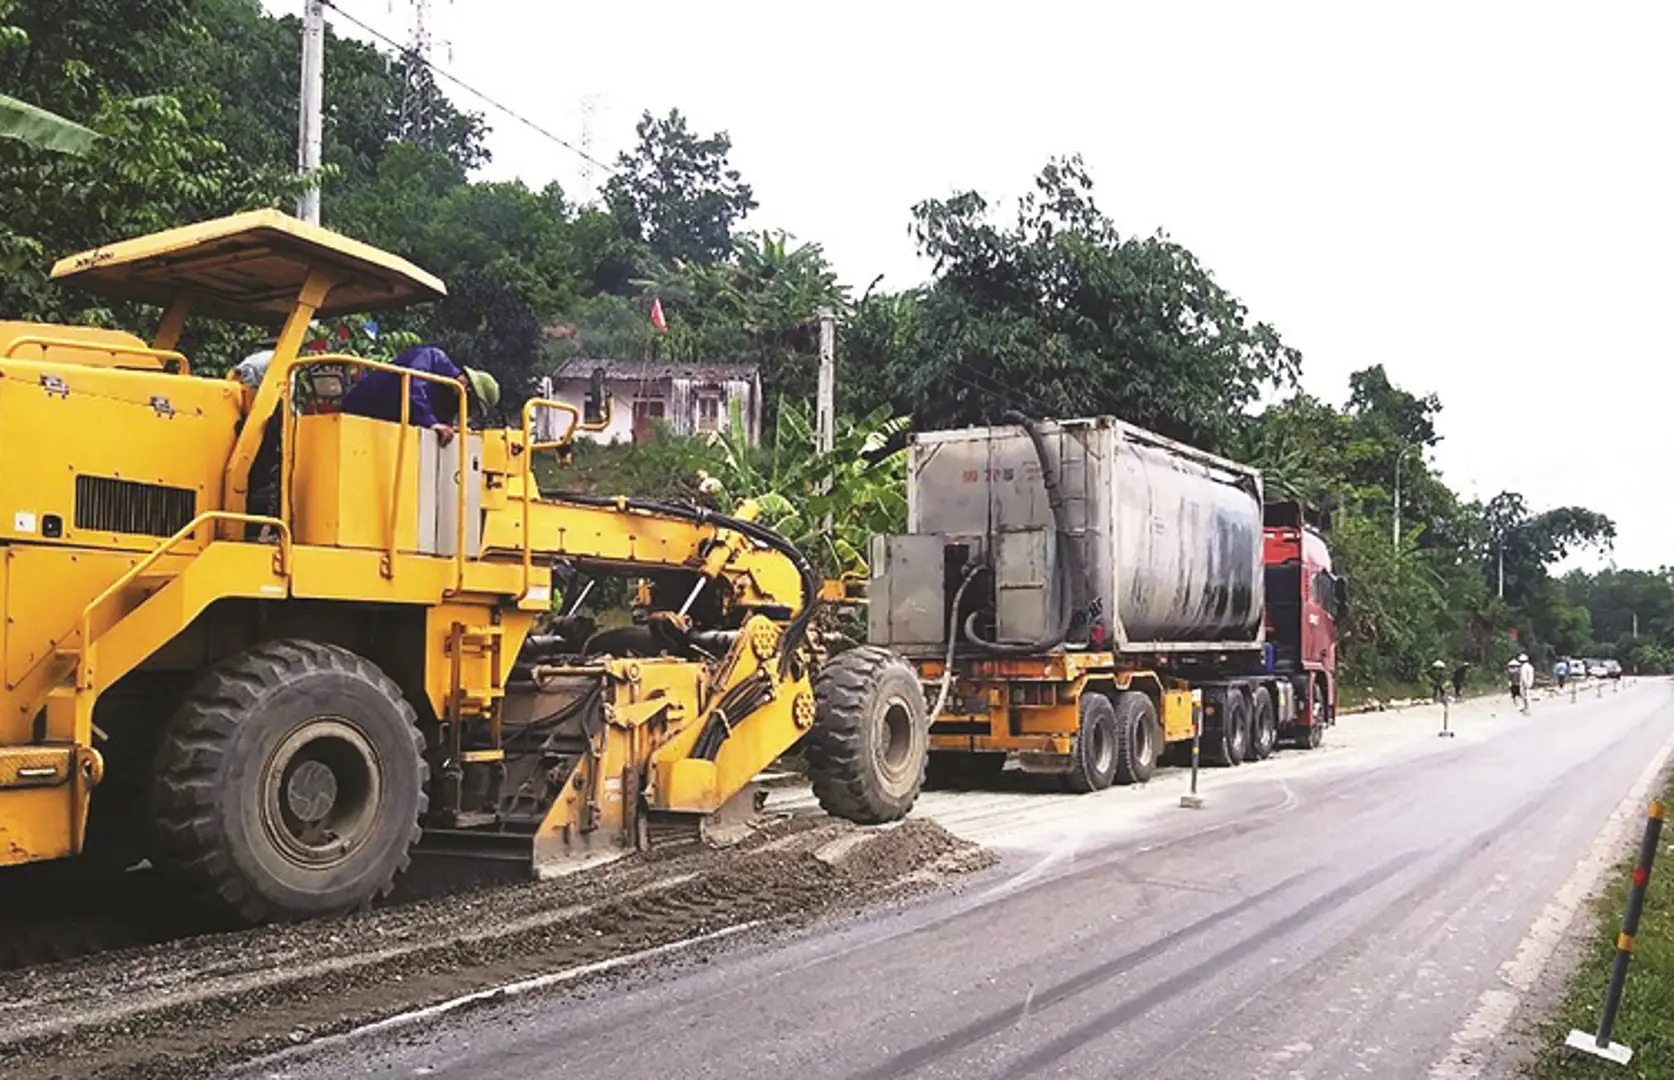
(708, 413)
(648, 413)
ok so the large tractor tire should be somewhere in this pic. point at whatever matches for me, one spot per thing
(1264, 725)
(1137, 737)
(1093, 762)
(870, 741)
(290, 785)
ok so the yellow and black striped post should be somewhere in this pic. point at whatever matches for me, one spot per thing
(1600, 1044)
(1194, 801)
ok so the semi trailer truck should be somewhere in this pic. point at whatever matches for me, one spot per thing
(1080, 595)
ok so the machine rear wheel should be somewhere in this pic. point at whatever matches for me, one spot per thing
(290, 784)
(870, 741)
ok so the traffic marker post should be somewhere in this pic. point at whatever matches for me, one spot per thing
(1600, 685)
(1445, 732)
(1573, 687)
(1194, 801)
(1600, 1045)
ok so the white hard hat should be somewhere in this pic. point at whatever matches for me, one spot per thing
(1522, 656)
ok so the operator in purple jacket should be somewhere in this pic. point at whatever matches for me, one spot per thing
(433, 405)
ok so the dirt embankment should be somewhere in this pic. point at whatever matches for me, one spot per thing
(182, 1008)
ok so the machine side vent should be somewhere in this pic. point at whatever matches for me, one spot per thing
(104, 504)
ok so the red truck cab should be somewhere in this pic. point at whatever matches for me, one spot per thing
(1305, 600)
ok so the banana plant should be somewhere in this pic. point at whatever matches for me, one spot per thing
(860, 487)
(43, 130)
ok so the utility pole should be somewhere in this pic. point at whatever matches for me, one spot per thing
(1499, 551)
(1395, 525)
(313, 94)
(825, 405)
(825, 420)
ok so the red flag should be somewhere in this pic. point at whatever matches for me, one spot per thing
(657, 319)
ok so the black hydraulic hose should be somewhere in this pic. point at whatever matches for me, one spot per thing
(952, 640)
(1069, 556)
(797, 631)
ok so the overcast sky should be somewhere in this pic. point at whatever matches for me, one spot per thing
(1476, 195)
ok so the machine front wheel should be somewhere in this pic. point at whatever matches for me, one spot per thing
(871, 737)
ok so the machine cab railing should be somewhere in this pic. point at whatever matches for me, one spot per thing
(334, 513)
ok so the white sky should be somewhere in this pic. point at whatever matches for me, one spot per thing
(1475, 194)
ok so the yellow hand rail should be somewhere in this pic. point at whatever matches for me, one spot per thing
(44, 342)
(529, 448)
(83, 675)
(407, 377)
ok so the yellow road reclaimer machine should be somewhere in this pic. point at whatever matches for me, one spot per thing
(275, 708)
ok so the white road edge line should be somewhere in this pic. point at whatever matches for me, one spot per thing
(506, 990)
(1496, 1007)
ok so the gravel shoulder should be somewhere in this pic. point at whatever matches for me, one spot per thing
(185, 1008)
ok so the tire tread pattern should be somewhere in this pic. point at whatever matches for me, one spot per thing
(839, 760)
(196, 744)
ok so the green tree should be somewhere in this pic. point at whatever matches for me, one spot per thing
(126, 71)
(760, 305)
(678, 192)
(1060, 314)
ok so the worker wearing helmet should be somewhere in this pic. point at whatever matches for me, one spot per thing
(1438, 682)
(431, 404)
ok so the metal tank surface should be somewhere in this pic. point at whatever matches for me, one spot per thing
(1170, 539)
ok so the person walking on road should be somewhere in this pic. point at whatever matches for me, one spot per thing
(1438, 683)
(1520, 677)
(1459, 674)
(1560, 672)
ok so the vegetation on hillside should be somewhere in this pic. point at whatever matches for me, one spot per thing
(1053, 309)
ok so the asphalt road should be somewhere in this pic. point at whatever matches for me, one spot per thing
(1335, 914)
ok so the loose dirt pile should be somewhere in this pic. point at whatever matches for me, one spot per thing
(182, 1008)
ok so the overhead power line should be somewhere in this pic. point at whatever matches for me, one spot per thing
(414, 58)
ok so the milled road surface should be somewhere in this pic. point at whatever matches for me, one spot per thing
(1376, 908)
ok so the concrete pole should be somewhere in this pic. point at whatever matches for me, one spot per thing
(825, 404)
(1395, 523)
(312, 104)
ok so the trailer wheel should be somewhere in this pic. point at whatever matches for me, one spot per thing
(869, 745)
(1264, 725)
(1238, 734)
(1093, 762)
(1227, 737)
(290, 784)
(1136, 737)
